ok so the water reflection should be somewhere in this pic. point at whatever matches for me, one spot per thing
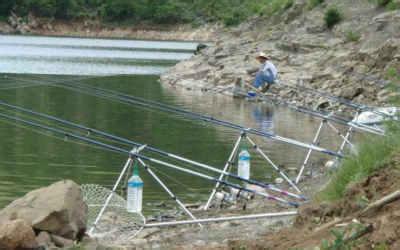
(263, 116)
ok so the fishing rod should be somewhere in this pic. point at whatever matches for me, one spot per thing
(132, 100)
(131, 154)
(323, 115)
(357, 106)
(127, 99)
(151, 149)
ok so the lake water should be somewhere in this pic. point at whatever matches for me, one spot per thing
(29, 159)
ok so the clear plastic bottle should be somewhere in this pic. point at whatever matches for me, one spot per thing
(244, 164)
(135, 192)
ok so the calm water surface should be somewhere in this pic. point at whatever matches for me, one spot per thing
(29, 159)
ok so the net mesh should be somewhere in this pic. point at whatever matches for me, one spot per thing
(116, 224)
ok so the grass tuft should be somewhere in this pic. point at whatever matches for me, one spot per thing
(352, 36)
(332, 17)
(372, 155)
(373, 152)
(314, 3)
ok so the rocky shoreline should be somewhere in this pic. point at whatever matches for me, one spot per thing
(55, 217)
(305, 52)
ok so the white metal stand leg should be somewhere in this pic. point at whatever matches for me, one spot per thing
(315, 140)
(341, 135)
(121, 175)
(344, 142)
(273, 164)
(227, 164)
(172, 195)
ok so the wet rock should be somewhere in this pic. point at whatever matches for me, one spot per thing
(58, 209)
(351, 92)
(17, 234)
(322, 105)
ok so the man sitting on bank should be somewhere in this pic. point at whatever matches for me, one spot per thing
(266, 75)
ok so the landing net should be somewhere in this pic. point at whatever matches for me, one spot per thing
(116, 225)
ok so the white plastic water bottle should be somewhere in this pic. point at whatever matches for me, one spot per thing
(244, 164)
(135, 192)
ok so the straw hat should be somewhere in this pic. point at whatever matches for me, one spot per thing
(262, 55)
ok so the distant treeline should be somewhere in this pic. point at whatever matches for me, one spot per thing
(153, 11)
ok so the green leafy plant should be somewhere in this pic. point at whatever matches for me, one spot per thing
(288, 4)
(332, 17)
(383, 3)
(393, 5)
(352, 36)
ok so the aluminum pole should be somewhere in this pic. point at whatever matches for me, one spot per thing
(172, 195)
(230, 218)
(315, 140)
(227, 164)
(273, 165)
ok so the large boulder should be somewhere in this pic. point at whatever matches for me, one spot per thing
(17, 234)
(58, 209)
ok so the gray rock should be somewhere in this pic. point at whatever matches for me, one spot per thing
(145, 233)
(62, 242)
(44, 240)
(17, 234)
(58, 209)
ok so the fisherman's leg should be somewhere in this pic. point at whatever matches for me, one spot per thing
(269, 80)
(266, 87)
(259, 80)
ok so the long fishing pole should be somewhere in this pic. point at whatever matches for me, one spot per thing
(151, 149)
(167, 108)
(146, 158)
(346, 102)
(323, 115)
(131, 100)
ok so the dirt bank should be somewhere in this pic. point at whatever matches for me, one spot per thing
(350, 60)
(348, 223)
(95, 28)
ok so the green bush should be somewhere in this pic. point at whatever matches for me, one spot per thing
(383, 3)
(172, 12)
(332, 17)
(118, 9)
(314, 3)
(393, 5)
(288, 4)
(6, 6)
(46, 8)
(230, 12)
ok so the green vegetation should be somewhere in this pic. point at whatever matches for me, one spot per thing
(373, 153)
(382, 3)
(332, 17)
(341, 242)
(314, 3)
(230, 12)
(352, 36)
(388, 4)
